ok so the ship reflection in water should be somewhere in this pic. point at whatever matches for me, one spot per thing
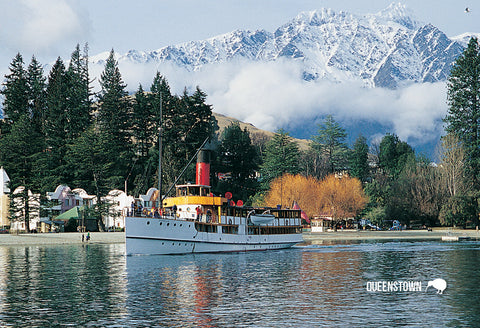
(308, 286)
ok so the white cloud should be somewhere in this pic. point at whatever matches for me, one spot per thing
(42, 27)
(273, 95)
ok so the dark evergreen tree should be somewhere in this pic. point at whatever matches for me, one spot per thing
(56, 128)
(239, 158)
(200, 118)
(15, 92)
(281, 156)
(143, 127)
(78, 94)
(114, 120)
(144, 133)
(463, 117)
(21, 139)
(94, 170)
(36, 93)
(172, 152)
(330, 144)
(394, 155)
(113, 106)
(19, 151)
(359, 166)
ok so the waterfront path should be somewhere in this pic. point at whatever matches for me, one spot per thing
(436, 234)
(60, 238)
(68, 238)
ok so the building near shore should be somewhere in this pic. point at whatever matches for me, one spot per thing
(4, 199)
(120, 204)
(23, 203)
(321, 223)
(64, 199)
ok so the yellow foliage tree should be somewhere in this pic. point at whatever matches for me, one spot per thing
(343, 197)
(340, 198)
(288, 188)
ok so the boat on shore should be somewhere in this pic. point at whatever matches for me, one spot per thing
(196, 221)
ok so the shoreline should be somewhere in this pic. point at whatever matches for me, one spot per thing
(435, 234)
(62, 238)
(72, 238)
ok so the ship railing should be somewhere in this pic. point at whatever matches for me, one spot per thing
(147, 212)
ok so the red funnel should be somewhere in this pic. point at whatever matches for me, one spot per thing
(203, 168)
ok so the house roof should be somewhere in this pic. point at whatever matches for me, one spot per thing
(71, 213)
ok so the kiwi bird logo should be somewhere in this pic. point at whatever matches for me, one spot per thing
(439, 284)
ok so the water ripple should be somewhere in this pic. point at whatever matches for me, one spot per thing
(311, 285)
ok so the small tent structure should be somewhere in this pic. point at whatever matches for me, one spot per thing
(79, 213)
(71, 213)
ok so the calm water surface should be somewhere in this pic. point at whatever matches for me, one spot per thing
(308, 286)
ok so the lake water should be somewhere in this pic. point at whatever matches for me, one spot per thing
(327, 285)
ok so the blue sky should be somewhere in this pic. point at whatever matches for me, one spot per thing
(51, 28)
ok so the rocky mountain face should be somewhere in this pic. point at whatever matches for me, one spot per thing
(386, 49)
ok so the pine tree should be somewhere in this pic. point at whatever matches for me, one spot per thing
(203, 125)
(237, 156)
(19, 151)
(114, 120)
(78, 94)
(113, 106)
(94, 169)
(173, 146)
(330, 144)
(142, 123)
(15, 91)
(53, 162)
(394, 155)
(463, 117)
(359, 167)
(281, 156)
(144, 133)
(21, 141)
(36, 93)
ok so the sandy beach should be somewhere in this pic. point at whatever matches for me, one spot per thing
(119, 237)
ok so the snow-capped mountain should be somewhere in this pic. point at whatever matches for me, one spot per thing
(386, 49)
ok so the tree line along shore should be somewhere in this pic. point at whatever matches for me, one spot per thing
(55, 130)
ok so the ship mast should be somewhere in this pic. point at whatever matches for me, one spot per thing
(160, 205)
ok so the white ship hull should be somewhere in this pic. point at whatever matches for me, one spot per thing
(169, 236)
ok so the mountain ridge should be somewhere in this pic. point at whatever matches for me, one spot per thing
(384, 49)
(376, 73)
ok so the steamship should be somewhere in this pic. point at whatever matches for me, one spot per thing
(196, 221)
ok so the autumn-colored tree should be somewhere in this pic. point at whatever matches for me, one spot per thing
(342, 197)
(288, 188)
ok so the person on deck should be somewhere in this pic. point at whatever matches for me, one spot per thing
(199, 212)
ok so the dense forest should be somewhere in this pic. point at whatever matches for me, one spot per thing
(56, 130)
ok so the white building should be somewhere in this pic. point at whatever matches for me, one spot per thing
(4, 200)
(18, 223)
(150, 199)
(120, 204)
